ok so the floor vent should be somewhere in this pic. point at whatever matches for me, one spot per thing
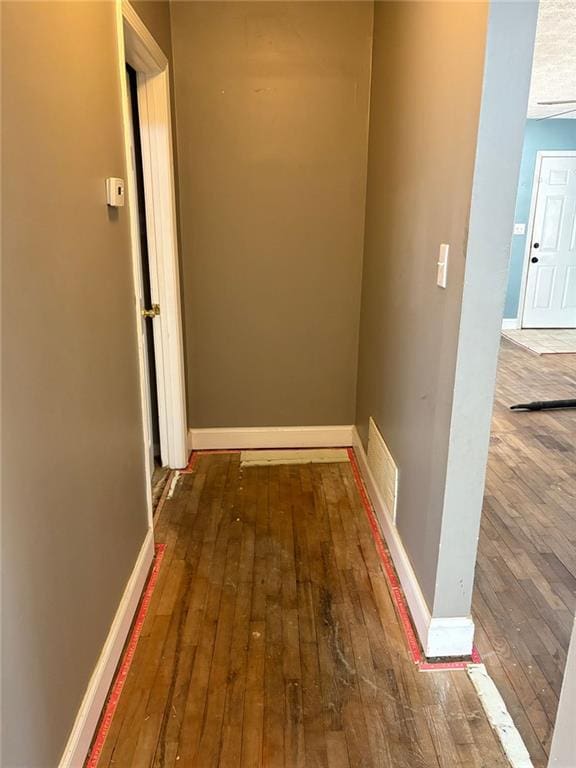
(383, 468)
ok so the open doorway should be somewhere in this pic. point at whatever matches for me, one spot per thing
(525, 587)
(540, 308)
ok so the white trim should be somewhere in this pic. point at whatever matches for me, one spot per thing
(136, 265)
(142, 51)
(271, 437)
(438, 636)
(510, 323)
(156, 134)
(540, 155)
(89, 713)
(499, 717)
(416, 603)
(173, 483)
(453, 636)
(137, 47)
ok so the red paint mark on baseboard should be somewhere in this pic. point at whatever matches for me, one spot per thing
(395, 588)
(126, 661)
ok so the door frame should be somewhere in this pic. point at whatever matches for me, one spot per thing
(540, 155)
(137, 47)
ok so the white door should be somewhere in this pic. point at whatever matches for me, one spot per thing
(550, 299)
(132, 186)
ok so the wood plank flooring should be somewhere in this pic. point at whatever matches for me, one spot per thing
(272, 640)
(160, 477)
(525, 591)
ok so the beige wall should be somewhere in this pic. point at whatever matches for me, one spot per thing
(74, 512)
(426, 88)
(272, 107)
(156, 16)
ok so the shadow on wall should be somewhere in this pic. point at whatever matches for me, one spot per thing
(539, 135)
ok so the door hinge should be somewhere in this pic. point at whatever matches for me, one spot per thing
(153, 312)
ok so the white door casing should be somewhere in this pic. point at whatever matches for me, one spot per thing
(550, 294)
(137, 47)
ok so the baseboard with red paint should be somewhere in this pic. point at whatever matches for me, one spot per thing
(396, 591)
(126, 662)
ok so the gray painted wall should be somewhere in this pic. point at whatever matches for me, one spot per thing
(273, 136)
(510, 45)
(272, 112)
(428, 356)
(426, 88)
(73, 495)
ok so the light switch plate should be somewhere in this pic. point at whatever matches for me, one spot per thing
(519, 229)
(442, 271)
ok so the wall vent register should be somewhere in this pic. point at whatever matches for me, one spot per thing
(383, 468)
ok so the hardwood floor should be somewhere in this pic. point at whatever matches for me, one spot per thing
(525, 592)
(160, 477)
(272, 640)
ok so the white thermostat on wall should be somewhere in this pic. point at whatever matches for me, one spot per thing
(115, 192)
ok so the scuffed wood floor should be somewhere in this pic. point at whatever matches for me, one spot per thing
(160, 477)
(525, 592)
(272, 640)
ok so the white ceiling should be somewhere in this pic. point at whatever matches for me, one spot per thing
(554, 69)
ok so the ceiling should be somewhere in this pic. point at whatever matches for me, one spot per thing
(554, 68)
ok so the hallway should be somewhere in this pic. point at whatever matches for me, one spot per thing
(327, 223)
(272, 640)
(525, 589)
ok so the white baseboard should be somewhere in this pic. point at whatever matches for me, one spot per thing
(500, 719)
(453, 636)
(271, 437)
(95, 696)
(438, 637)
(510, 323)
